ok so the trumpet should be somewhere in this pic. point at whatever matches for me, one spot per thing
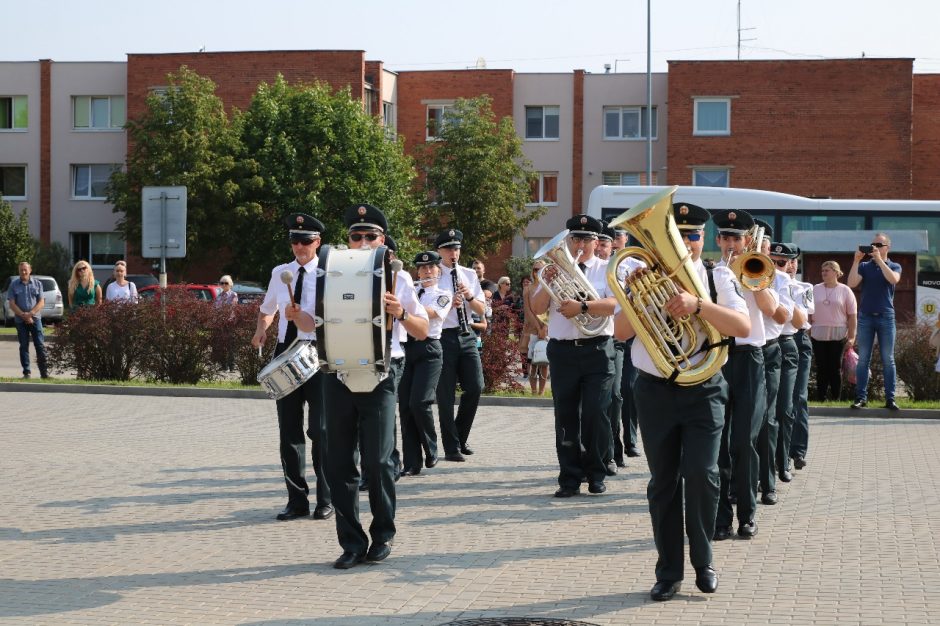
(755, 271)
(569, 283)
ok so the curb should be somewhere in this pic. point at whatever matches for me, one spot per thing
(257, 394)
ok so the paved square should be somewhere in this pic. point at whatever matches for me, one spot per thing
(143, 510)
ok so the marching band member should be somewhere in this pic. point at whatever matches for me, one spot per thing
(614, 457)
(627, 379)
(373, 412)
(581, 365)
(304, 234)
(423, 360)
(461, 357)
(682, 425)
(804, 345)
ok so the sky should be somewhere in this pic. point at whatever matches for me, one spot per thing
(524, 35)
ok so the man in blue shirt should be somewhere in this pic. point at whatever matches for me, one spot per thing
(26, 302)
(878, 278)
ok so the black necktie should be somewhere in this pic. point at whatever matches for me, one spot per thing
(582, 267)
(291, 333)
(420, 293)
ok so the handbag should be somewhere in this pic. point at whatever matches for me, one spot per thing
(849, 362)
(540, 352)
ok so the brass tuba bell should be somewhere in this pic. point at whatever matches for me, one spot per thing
(672, 343)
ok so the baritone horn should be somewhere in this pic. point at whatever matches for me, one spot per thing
(670, 342)
(569, 283)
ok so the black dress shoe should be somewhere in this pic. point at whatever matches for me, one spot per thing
(323, 512)
(567, 492)
(430, 461)
(293, 512)
(611, 469)
(378, 551)
(732, 498)
(748, 530)
(620, 463)
(722, 533)
(456, 457)
(348, 559)
(664, 590)
(706, 579)
(891, 405)
(632, 451)
(363, 485)
(769, 498)
(465, 449)
(597, 487)
(799, 462)
(786, 476)
(859, 404)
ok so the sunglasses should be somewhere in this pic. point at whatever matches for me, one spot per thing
(80, 269)
(781, 263)
(580, 237)
(357, 237)
(879, 245)
(302, 242)
(692, 236)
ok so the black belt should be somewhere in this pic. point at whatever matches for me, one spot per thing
(397, 359)
(589, 341)
(790, 336)
(656, 380)
(771, 342)
(744, 348)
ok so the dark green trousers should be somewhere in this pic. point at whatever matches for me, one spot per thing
(681, 430)
(582, 376)
(373, 414)
(789, 367)
(800, 439)
(628, 412)
(767, 439)
(614, 412)
(423, 360)
(744, 414)
(461, 365)
(290, 424)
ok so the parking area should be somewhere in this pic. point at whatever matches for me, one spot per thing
(150, 510)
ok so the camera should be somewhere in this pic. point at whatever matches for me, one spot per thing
(865, 249)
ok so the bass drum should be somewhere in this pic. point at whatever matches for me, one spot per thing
(352, 337)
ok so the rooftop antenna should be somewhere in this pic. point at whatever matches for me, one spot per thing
(742, 29)
(607, 68)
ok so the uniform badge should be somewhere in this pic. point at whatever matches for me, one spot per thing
(808, 296)
(778, 248)
(362, 210)
(732, 216)
(451, 233)
(424, 257)
(683, 210)
(583, 221)
(300, 219)
(443, 301)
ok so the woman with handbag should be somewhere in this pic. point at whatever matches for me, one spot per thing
(833, 330)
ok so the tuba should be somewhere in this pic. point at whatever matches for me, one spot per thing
(670, 342)
(755, 271)
(569, 283)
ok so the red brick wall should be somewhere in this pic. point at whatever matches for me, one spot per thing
(838, 128)
(416, 87)
(925, 160)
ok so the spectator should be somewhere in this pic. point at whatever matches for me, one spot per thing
(26, 301)
(121, 289)
(532, 324)
(84, 290)
(485, 283)
(227, 296)
(878, 278)
(833, 329)
(504, 293)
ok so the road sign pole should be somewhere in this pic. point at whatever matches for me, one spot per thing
(163, 198)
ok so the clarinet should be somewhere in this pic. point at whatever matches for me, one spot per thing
(462, 310)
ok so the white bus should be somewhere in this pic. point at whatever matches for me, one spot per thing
(823, 228)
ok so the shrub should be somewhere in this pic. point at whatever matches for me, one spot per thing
(915, 361)
(501, 360)
(101, 343)
(241, 328)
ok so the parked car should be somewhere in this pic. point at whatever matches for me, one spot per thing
(52, 311)
(202, 292)
(249, 291)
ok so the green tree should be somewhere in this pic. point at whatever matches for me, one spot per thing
(15, 241)
(308, 149)
(54, 260)
(183, 138)
(477, 177)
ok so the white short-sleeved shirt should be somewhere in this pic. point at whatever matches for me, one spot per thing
(799, 297)
(757, 336)
(440, 301)
(730, 295)
(560, 327)
(780, 286)
(467, 277)
(807, 302)
(116, 292)
(277, 297)
(406, 294)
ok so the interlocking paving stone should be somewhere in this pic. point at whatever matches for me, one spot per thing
(124, 509)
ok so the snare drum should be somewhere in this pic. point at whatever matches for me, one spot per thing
(290, 369)
(352, 334)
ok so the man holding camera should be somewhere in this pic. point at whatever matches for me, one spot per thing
(878, 278)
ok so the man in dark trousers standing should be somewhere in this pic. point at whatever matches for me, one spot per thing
(461, 358)
(304, 233)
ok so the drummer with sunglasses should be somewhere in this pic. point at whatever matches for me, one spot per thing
(304, 235)
(372, 413)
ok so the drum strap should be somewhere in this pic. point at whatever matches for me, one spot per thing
(291, 333)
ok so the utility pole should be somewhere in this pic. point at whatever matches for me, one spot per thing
(741, 29)
(649, 98)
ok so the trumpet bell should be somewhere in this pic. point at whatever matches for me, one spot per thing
(754, 271)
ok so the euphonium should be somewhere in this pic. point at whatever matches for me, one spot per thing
(755, 271)
(569, 283)
(670, 342)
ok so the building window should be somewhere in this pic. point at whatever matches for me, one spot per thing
(97, 248)
(436, 119)
(544, 189)
(541, 122)
(98, 112)
(711, 177)
(626, 123)
(627, 178)
(13, 182)
(712, 116)
(388, 120)
(14, 113)
(534, 244)
(91, 181)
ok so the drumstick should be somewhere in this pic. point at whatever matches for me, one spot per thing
(287, 277)
(396, 267)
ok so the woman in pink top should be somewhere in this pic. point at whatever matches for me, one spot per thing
(833, 329)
